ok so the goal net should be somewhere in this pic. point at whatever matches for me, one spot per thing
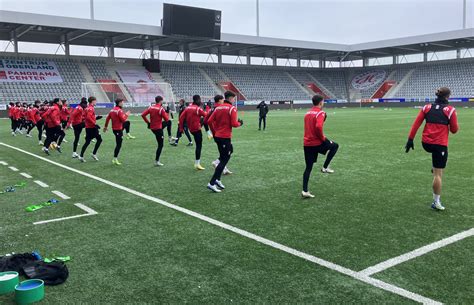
(139, 94)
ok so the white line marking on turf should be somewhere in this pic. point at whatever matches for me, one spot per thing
(417, 252)
(26, 175)
(62, 195)
(13, 168)
(89, 212)
(41, 183)
(3, 163)
(354, 274)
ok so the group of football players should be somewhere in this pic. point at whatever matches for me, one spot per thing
(219, 119)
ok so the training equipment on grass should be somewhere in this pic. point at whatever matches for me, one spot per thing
(29, 291)
(8, 281)
(54, 273)
(12, 188)
(57, 259)
(36, 207)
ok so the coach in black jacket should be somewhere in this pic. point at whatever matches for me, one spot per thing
(262, 116)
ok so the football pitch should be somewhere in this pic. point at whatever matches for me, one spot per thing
(157, 235)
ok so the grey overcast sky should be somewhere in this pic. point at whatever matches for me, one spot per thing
(339, 21)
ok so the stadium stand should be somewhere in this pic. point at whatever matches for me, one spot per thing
(457, 75)
(69, 89)
(97, 69)
(334, 80)
(186, 79)
(264, 83)
(255, 82)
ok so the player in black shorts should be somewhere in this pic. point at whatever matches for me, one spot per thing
(440, 119)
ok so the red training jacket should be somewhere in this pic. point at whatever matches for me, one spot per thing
(16, 113)
(52, 116)
(11, 110)
(222, 119)
(118, 117)
(65, 111)
(313, 127)
(89, 116)
(32, 115)
(77, 117)
(435, 133)
(192, 116)
(37, 113)
(157, 115)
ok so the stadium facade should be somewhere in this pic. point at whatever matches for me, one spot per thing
(377, 71)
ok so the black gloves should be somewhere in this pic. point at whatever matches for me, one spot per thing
(97, 127)
(241, 122)
(148, 125)
(409, 145)
(98, 117)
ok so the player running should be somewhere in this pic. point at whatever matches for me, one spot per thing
(65, 113)
(157, 115)
(315, 142)
(16, 115)
(33, 118)
(221, 121)
(180, 108)
(76, 120)
(54, 132)
(191, 117)
(168, 124)
(440, 119)
(118, 118)
(92, 130)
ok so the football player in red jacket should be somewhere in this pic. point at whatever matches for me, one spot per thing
(315, 142)
(92, 130)
(76, 120)
(65, 112)
(54, 132)
(118, 118)
(158, 115)
(440, 119)
(11, 115)
(191, 117)
(222, 120)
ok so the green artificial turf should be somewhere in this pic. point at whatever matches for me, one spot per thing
(376, 206)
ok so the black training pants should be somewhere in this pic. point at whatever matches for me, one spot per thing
(159, 139)
(118, 141)
(264, 119)
(225, 151)
(92, 133)
(77, 135)
(311, 156)
(198, 140)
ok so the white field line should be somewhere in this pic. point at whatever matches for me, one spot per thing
(26, 175)
(417, 252)
(354, 274)
(89, 212)
(61, 195)
(3, 163)
(13, 168)
(41, 183)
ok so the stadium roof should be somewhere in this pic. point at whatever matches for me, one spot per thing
(39, 28)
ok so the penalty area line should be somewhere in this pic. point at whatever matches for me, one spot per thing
(319, 261)
(89, 212)
(416, 253)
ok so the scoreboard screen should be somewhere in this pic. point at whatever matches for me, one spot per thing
(189, 21)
